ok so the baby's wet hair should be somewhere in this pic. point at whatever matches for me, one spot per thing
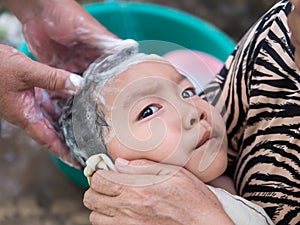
(83, 122)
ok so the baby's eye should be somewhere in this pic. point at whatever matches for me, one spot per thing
(188, 93)
(148, 111)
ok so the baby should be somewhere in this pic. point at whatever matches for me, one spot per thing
(138, 106)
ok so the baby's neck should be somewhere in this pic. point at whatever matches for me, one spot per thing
(224, 182)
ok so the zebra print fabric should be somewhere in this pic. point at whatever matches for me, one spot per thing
(258, 94)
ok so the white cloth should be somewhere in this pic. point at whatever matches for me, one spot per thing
(240, 210)
(95, 162)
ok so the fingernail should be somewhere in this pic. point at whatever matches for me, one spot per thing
(122, 162)
(74, 84)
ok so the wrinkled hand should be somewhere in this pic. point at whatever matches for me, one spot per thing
(148, 193)
(62, 34)
(31, 108)
(294, 22)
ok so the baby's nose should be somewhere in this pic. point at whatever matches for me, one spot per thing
(193, 116)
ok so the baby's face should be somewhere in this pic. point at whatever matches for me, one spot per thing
(154, 114)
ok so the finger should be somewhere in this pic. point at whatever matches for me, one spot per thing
(41, 130)
(29, 74)
(100, 203)
(112, 183)
(49, 107)
(107, 44)
(44, 133)
(58, 95)
(112, 45)
(100, 219)
(43, 76)
(93, 32)
(144, 167)
(101, 184)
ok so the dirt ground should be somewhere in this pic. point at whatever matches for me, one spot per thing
(33, 191)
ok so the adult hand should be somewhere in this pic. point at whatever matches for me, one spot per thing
(147, 193)
(28, 107)
(61, 33)
(293, 22)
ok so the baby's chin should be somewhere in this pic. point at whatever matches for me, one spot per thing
(207, 177)
(215, 169)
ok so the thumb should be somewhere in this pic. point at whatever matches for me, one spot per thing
(52, 79)
(145, 167)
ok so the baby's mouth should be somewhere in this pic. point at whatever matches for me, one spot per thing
(207, 135)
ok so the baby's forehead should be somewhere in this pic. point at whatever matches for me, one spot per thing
(152, 65)
(115, 73)
(158, 69)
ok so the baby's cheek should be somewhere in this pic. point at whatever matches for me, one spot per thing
(142, 133)
(115, 150)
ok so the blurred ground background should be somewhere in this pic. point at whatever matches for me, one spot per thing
(32, 190)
